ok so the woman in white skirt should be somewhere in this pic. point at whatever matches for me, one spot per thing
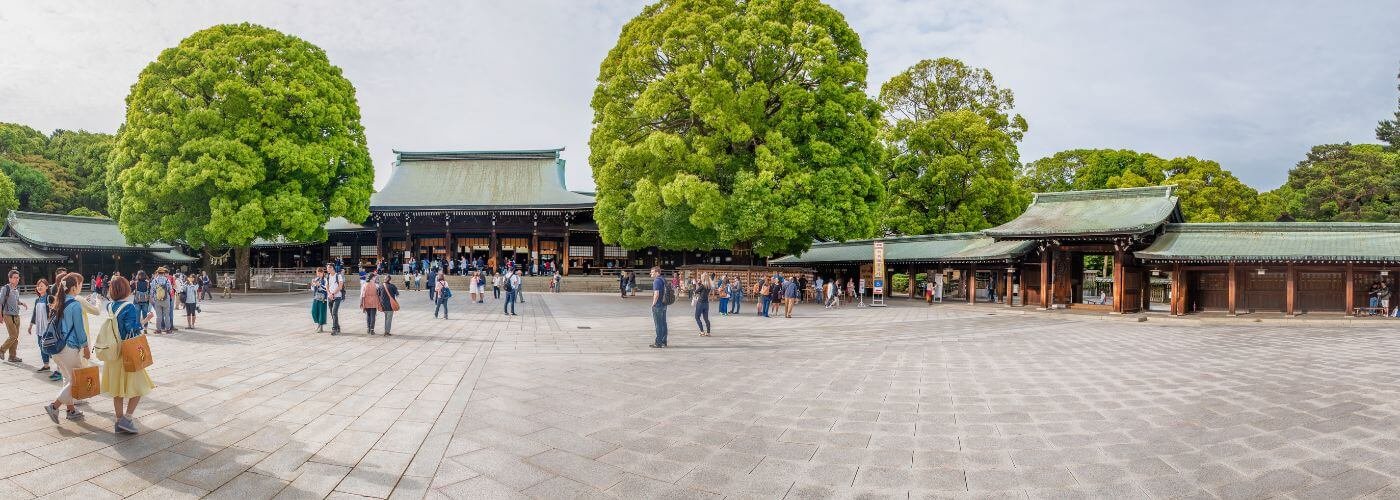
(479, 287)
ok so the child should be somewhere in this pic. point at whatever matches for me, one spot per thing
(190, 296)
(39, 315)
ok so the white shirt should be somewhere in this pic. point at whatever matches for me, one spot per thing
(334, 285)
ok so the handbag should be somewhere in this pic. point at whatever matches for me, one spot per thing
(87, 381)
(136, 353)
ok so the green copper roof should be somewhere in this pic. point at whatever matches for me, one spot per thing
(172, 256)
(14, 251)
(489, 180)
(1277, 242)
(1099, 212)
(936, 248)
(342, 224)
(53, 231)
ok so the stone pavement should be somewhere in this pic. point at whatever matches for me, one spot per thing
(566, 401)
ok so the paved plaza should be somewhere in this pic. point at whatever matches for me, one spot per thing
(566, 401)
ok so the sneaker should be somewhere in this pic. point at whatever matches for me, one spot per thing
(16, 360)
(654, 346)
(125, 426)
(56, 376)
(387, 334)
(75, 415)
(43, 368)
(371, 332)
(52, 411)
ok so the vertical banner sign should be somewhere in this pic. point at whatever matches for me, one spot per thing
(877, 284)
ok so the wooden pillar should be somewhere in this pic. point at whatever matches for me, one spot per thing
(598, 254)
(1351, 291)
(532, 263)
(912, 282)
(1011, 287)
(971, 284)
(1290, 291)
(1045, 278)
(1232, 287)
(1178, 301)
(567, 255)
(495, 248)
(1118, 280)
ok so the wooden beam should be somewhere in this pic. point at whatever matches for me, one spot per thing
(564, 264)
(971, 284)
(1290, 290)
(1045, 278)
(1119, 281)
(1010, 287)
(1178, 301)
(1232, 287)
(1350, 290)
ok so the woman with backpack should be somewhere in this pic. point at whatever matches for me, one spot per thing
(124, 387)
(443, 292)
(318, 300)
(70, 342)
(39, 315)
(141, 297)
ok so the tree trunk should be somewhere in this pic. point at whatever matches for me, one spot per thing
(242, 275)
(742, 252)
(208, 259)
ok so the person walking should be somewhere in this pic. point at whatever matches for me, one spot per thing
(622, 283)
(388, 303)
(39, 315)
(10, 306)
(205, 286)
(790, 296)
(124, 387)
(700, 297)
(723, 289)
(190, 295)
(833, 294)
(658, 306)
(736, 295)
(66, 315)
(432, 284)
(141, 297)
(765, 296)
(163, 300)
(496, 285)
(318, 300)
(335, 294)
(519, 282)
(512, 283)
(479, 286)
(442, 292)
(369, 301)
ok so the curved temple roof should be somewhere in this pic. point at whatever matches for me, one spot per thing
(478, 180)
(1100, 212)
(950, 248)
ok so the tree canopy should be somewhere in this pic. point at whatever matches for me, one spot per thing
(239, 132)
(1080, 169)
(951, 157)
(16, 140)
(1210, 193)
(741, 124)
(30, 187)
(83, 156)
(1345, 182)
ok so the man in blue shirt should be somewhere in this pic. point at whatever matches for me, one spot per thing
(789, 297)
(658, 306)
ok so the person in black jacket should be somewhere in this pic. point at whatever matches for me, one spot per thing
(388, 302)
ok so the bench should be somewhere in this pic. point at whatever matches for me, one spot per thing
(1371, 311)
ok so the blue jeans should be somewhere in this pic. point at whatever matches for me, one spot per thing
(144, 308)
(658, 316)
(724, 305)
(509, 306)
(763, 309)
(734, 303)
(702, 312)
(441, 306)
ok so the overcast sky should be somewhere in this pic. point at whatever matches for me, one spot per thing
(1250, 84)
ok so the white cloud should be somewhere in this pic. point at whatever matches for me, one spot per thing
(1251, 84)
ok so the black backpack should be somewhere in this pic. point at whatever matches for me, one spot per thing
(668, 296)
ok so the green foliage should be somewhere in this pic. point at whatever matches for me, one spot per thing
(83, 156)
(1346, 182)
(1081, 169)
(933, 87)
(8, 201)
(1273, 205)
(30, 187)
(727, 123)
(1388, 131)
(239, 132)
(16, 140)
(951, 156)
(1210, 193)
(954, 172)
(86, 212)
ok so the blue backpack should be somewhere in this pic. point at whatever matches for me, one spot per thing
(52, 340)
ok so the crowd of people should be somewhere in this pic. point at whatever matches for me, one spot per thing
(61, 319)
(379, 293)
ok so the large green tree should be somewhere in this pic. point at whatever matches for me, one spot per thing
(951, 156)
(30, 187)
(1210, 193)
(84, 157)
(16, 140)
(735, 123)
(1080, 169)
(8, 201)
(1346, 182)
(239, 132)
